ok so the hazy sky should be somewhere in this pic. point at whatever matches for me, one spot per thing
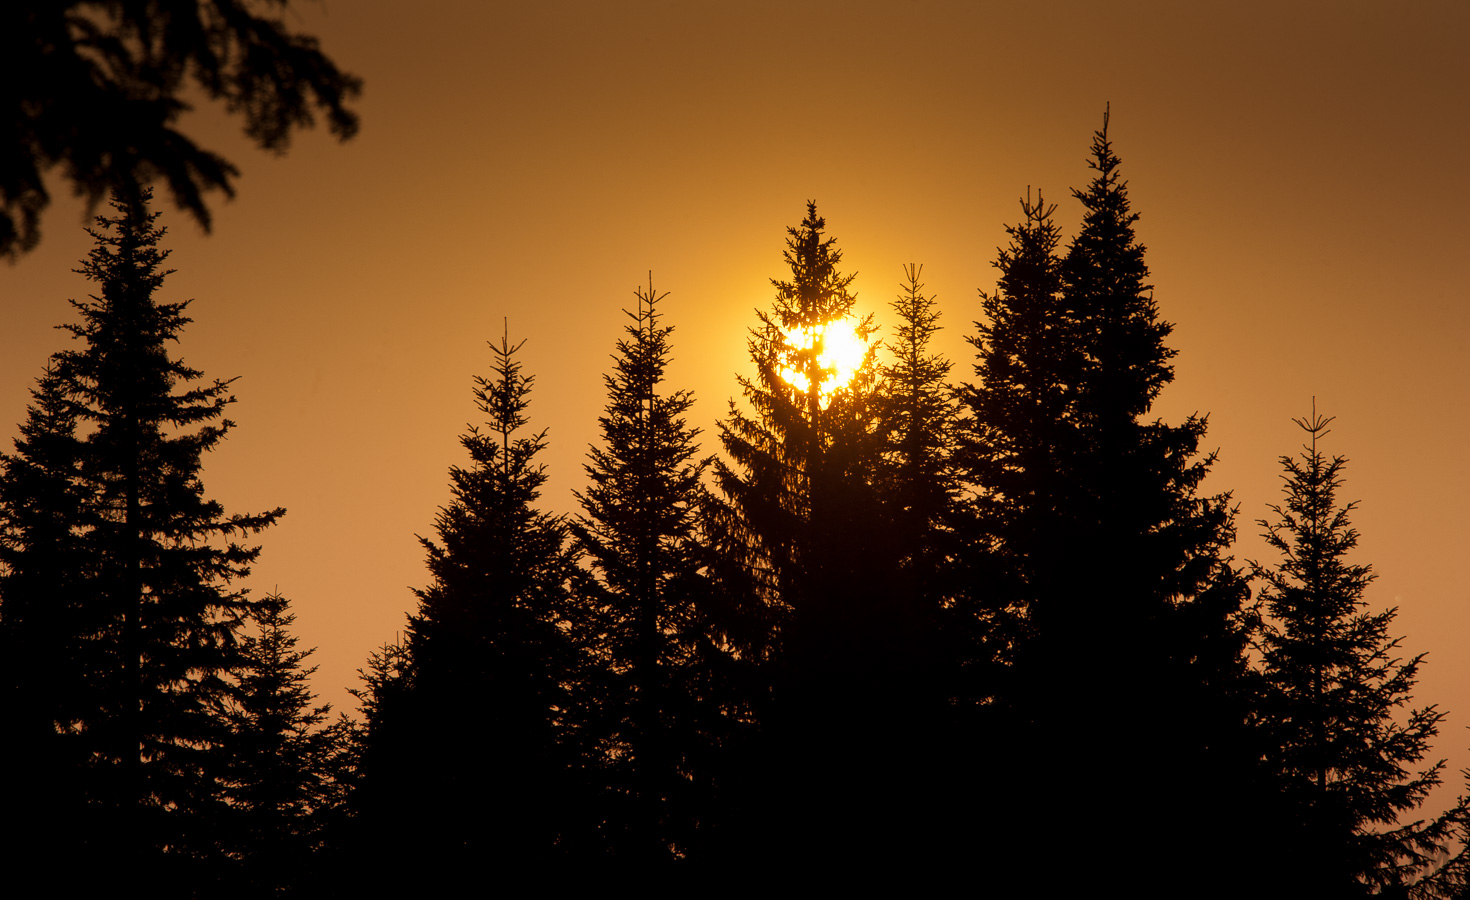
(1300, 169)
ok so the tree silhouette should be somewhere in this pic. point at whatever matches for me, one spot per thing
(45, 623)
(639, 534)
(1116, 608)
(96, 88)
(1020, 439)
(469, 753)
(1339, 745)
(805, 462)
(147, 615)
(804, 504)
(917, 416)
(281, 758)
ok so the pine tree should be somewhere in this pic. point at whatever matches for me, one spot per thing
(1019, 441)
(1117, 610)
(806, 454)
(490, 665)
(149, 607)
(44, 622)
(1341, 748)
(805, 514)
(281, 757)
(639, 534)
(917, 417)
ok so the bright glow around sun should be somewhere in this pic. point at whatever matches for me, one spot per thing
(840, 353)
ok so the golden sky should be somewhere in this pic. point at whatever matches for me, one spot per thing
(1300, 168)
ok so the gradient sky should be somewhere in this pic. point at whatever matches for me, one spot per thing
(1300, 169)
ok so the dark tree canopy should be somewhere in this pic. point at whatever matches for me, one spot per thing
(489, 670)
(281, 758)
(806, 505)
(95, 88)
(803, 455)
(639, 534)
(1341, 746)
(1020, 437)
(1116, 611)
(917, 418)
(144, 610)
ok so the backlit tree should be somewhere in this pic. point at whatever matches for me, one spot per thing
(1117, 611)
(145, 606)
(281, 756)
(468, 750)
(639, 533)
(1342, 747)
(806, 516)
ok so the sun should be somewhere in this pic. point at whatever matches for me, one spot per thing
(840, 350)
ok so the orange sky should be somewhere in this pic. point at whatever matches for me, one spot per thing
(1300, 169)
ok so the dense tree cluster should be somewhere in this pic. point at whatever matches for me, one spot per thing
(901, 628)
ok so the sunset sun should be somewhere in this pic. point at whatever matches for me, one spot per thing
(840, 351)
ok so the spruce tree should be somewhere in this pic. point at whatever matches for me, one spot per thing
(1341, 748)
(147, 601)
(279, 782)
(805, 514)
(804, 457)
(1019, 441)
(1117, 611)
(916, 416)
(639, 535)
(490, 666)
(44, 622)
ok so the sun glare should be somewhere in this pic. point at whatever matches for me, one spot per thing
(840, 353)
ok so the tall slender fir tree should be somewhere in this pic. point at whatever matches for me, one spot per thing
(917, 416)
(805, 456)
(145, 610)
(1019, 440)
(639, 533)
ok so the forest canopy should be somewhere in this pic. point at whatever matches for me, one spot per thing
(904, 617)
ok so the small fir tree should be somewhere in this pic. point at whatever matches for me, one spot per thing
(44, 621)
(917, 415)
(281, 757)
(1342, 749)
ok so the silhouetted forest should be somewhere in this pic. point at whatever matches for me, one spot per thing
(968, 623)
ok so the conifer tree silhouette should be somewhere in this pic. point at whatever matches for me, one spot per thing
(469, 752)
(804, 512)
(280, 777)
(1021, 432)
(639, 534)
(805, 466)
(917, 416)
(1341, 750)
(45, 623)
(1116, 609)
(1170, 600)
(149, 618)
